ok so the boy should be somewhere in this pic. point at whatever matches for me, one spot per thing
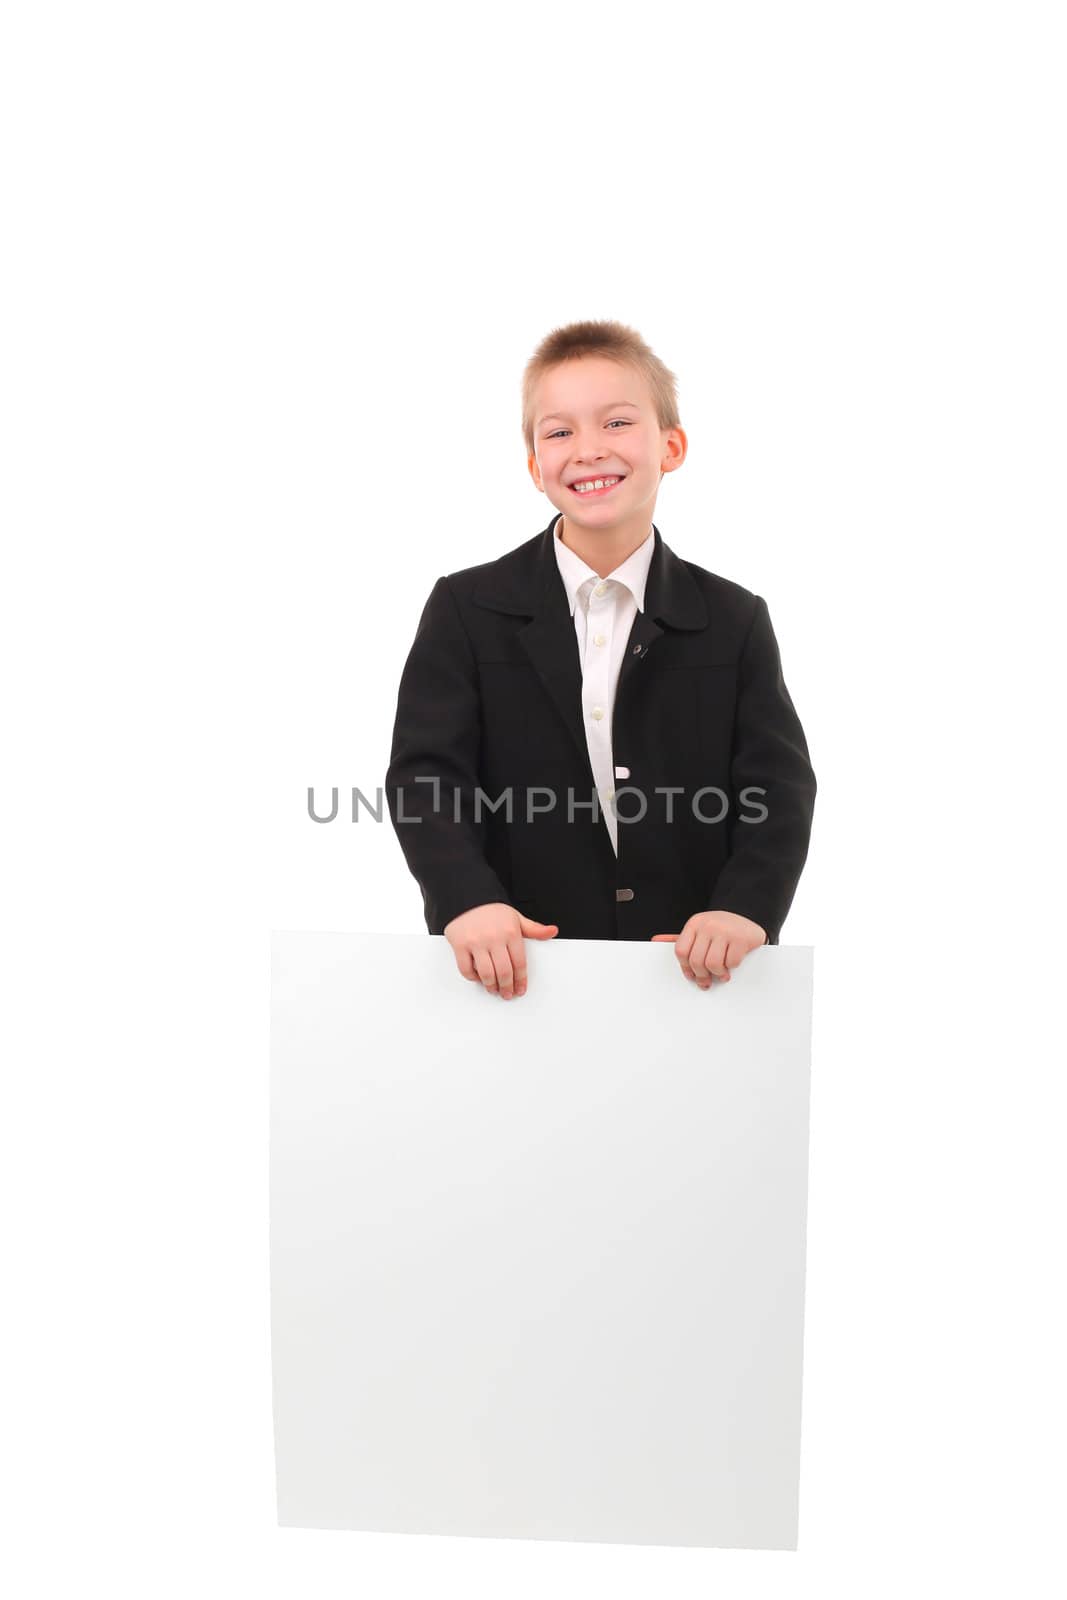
(588, 655)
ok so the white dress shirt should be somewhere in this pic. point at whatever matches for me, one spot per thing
(603, 612)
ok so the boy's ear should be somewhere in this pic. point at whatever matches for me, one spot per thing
(675, 447)
(535, 470)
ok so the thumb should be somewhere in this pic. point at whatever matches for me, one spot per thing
(658, 938)
(536, 930)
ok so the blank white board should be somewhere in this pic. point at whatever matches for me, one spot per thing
(537, 1266)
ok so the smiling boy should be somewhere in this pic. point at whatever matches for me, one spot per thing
(588, 655)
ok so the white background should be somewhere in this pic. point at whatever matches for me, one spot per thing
(271, 274)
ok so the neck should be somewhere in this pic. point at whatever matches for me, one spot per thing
(607, 550)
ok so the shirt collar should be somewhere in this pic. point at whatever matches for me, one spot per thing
(633, 572)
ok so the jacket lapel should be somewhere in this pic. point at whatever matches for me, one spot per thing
(527, 582)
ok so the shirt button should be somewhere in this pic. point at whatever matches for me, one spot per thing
(601, 588)
(596, 713)
(598, 638)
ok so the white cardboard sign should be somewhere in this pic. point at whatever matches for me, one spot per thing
(537, 1266)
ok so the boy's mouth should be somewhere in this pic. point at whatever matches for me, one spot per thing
(594, 488)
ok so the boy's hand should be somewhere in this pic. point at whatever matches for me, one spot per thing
(487, 944)
(711, 943)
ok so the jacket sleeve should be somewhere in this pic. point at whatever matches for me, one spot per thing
(769, 760)
(436, 739)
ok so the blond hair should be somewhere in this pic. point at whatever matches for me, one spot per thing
(616, 342)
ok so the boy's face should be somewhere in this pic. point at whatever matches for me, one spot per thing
(595, 418)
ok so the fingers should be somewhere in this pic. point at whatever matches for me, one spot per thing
(465, 963)
(517, 952)
(701, 956)
(483, 962)
(681, 942)
(495, 957)
(735, 954)
(707, 958)
(495, 970)
(683, 949)
(505, 973)
(490, 949)
(499, 968)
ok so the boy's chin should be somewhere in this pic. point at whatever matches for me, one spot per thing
(597, 514)
(605, 522)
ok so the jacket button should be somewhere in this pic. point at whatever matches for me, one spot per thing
(624, 894)
(636, 651)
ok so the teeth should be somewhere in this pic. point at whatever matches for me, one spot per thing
(593, 483)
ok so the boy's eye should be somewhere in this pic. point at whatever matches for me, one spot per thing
(623, 421)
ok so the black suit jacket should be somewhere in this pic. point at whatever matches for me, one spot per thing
(490, 701)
